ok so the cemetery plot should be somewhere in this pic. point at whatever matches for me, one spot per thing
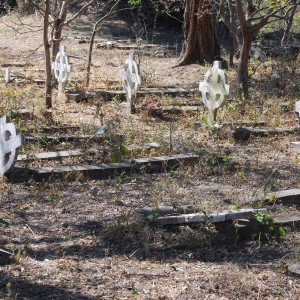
(101, 171)
(88, 168)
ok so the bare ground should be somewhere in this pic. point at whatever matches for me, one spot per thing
(79, 240)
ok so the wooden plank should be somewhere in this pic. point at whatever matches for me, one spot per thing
(211, 218)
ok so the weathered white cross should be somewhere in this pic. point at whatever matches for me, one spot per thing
(297, 108)
(61, 68)
(7, 75)
(10, 141)
(213, 90)
(131, 80)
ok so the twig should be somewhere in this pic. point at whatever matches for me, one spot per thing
(4, 251)
(31, 230)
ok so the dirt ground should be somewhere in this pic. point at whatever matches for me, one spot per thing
(79, 239)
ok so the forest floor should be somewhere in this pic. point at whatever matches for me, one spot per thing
(78, 239)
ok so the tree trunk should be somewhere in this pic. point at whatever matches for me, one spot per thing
(88, 69)
(58, 24)
(200, 42)
(288, 25)
(242, 70)
(48, 65)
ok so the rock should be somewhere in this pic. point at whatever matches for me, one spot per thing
(103, 129)
(241, 134)
(294, 269)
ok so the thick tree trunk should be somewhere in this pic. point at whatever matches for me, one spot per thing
(200, 42)
(242, 70)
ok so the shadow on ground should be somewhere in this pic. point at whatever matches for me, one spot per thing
(11, 288)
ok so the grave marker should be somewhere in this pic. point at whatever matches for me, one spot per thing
(7, 75)
(10, 141)
(257, 52)
(61, 68)
(131, 80)
(297, 108)
(213, 90)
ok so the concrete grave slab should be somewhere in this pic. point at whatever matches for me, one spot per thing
(104, 171)
(211, 218)
(244, 133)
(288, 197)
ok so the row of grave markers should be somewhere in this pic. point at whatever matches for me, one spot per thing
(10, 141)
(213, 89)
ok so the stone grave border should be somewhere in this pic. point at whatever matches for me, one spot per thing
(244, 133)
(79, 96)
(104, 171)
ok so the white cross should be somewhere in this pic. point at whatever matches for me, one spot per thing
(10, 141)
(297, 108)
(213, 90)
(61, 68)
(131, 80)
(7, 75)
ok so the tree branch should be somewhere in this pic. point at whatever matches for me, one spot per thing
(80, 12)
